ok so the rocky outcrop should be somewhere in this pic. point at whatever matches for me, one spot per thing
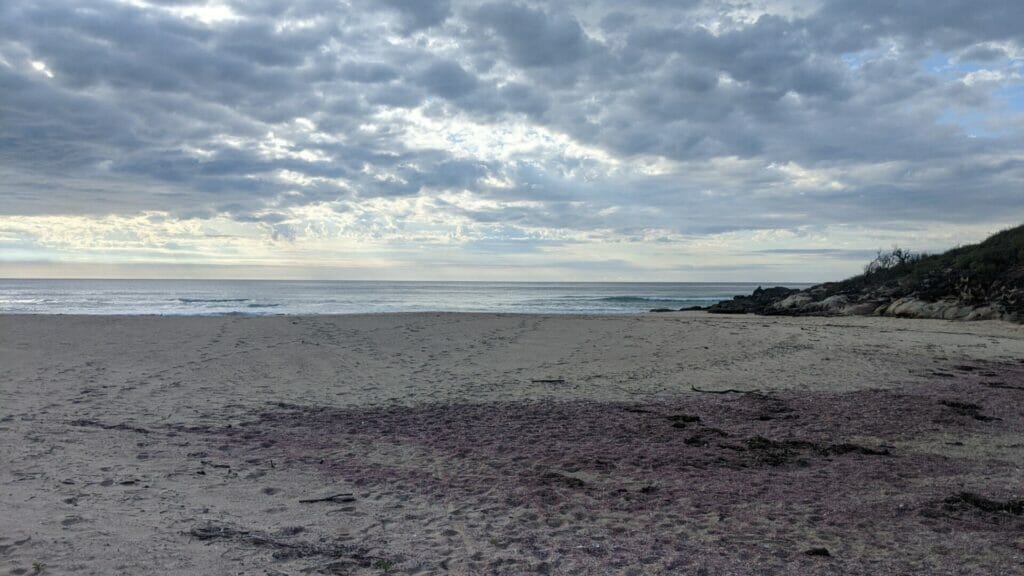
(804, 303)
(980, 282)
(760, 302)
(911, 307)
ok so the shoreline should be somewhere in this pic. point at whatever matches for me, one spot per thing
(421, 443)
(302, 298)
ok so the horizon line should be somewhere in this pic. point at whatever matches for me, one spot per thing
(181, 279)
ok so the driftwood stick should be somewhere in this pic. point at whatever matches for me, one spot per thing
(343, 497)
(549, 381)
(726, 391)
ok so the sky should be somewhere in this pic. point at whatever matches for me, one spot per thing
(654, 140)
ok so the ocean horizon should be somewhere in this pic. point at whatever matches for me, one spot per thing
(309, 297)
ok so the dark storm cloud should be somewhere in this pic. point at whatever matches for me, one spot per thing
(148, 109)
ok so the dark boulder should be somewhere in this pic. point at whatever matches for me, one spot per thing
(759, 302)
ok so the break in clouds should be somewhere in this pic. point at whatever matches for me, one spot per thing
(657, 140)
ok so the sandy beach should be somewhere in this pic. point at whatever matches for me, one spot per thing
(678, 443)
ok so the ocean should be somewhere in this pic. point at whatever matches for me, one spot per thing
(258, 298)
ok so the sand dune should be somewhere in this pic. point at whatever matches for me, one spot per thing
(501, 444)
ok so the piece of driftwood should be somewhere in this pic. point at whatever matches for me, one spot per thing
(548, 381)
(343, 497)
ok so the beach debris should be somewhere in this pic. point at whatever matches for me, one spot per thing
(86, 423)
(565, 480)
(967, 409)
(1003, 385)
(726, 391)
(698, 440)
(819, 551)
(550, 455)
(771, 408)
(336, 552)
(548, 381)
(681, 420)
(291, 530)
(964, 500)
(703, 436)
(334, 498)
(846, 448)
(776, 453)
(215, 530)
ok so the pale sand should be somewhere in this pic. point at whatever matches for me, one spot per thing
(158, 445)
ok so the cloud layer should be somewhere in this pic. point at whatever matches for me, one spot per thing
(662, 140)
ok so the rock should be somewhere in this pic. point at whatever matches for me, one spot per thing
(831, 305)
(862, 309)
(911, 307)
(978, 282)
(818, 301)
(794, 301)
(982, 313)
(731, 307)
(760, 301)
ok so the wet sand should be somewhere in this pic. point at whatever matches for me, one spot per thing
(496, 444)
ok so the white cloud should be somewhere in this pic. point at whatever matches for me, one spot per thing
(664, 137)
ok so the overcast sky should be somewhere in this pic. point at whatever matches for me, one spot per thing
(436, 139)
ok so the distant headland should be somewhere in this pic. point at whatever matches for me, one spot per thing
(976, 282)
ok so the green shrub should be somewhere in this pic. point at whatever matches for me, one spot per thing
(975, 272)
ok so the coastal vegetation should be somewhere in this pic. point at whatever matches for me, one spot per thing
(978, 281)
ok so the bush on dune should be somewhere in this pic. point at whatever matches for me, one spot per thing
(988, 276)
(974, 274)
